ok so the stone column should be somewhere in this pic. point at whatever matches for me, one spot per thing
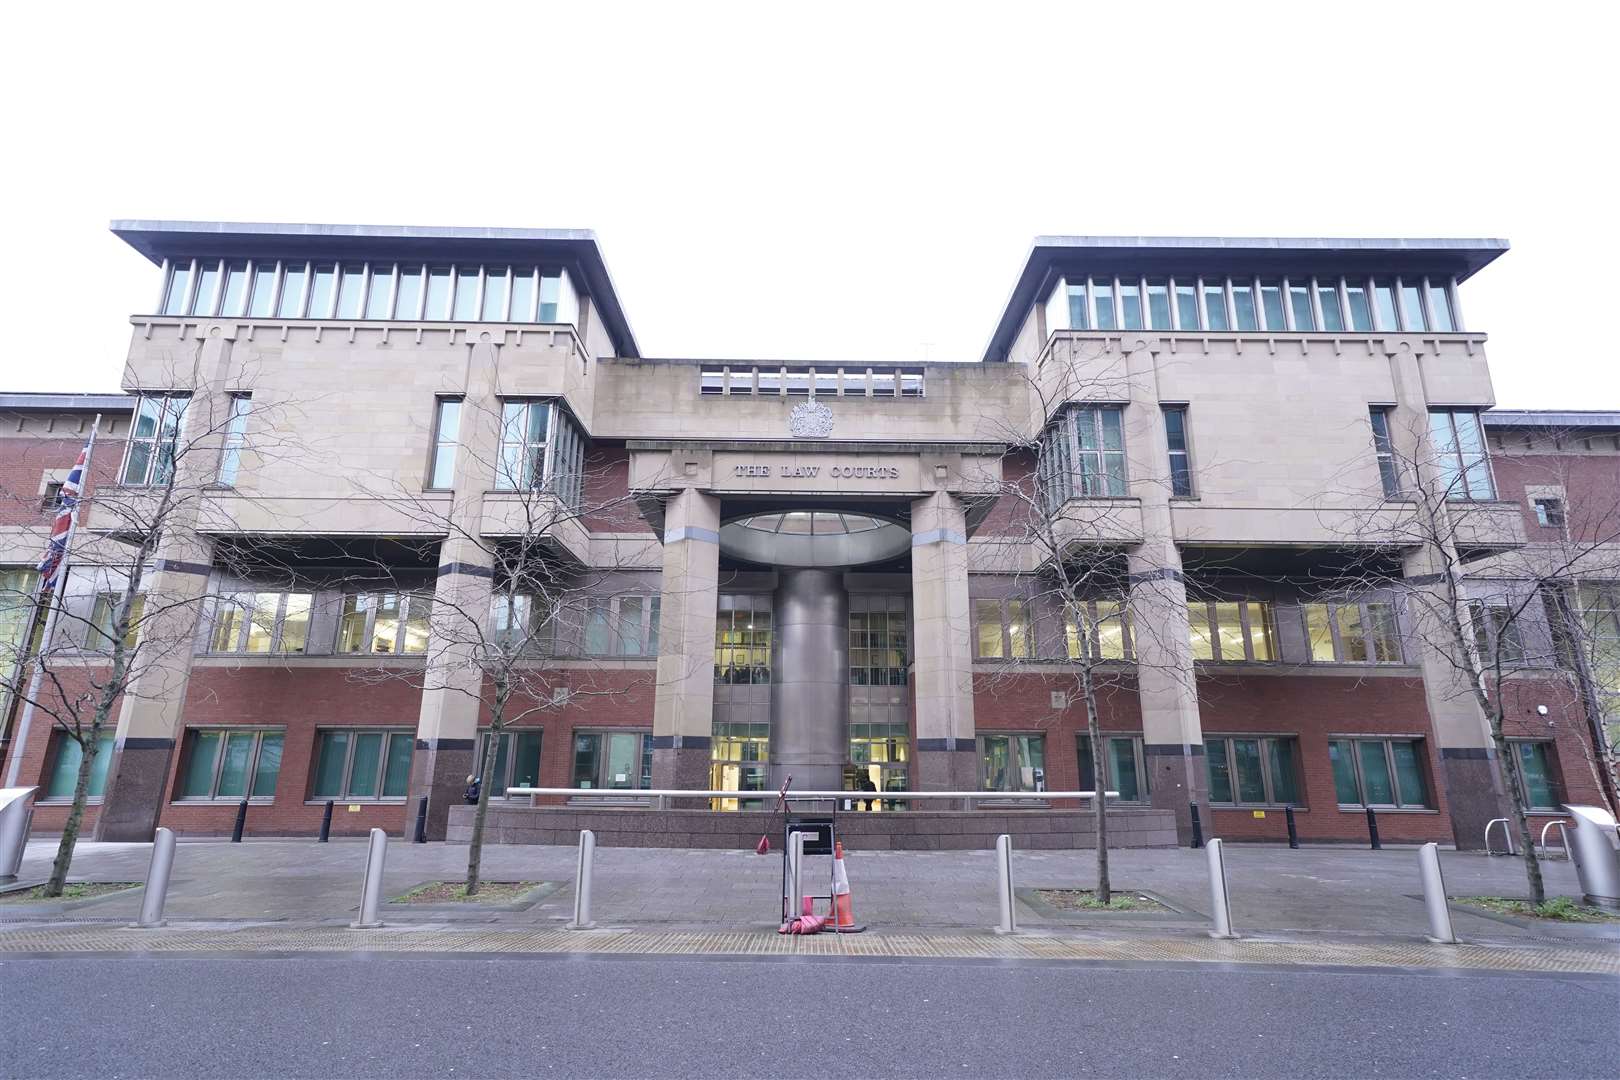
(1167, 683)
(1468, 765)
(946, 753)
(810, 680)
(683, 709)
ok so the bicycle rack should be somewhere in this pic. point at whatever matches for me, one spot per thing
(1507, 836)
(1563, 834)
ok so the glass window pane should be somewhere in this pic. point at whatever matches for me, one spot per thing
(1384, 633)
(466, 292)
(550, 296)
(1299, 299)
(233, 770)
(629, 628)
(1271, 302)
(291, 304)
(1203, 645)
(1130, 304)
(198, 781)
(407, 292)
(1215, 307)
(264, 290)
(597, 637)
(262, 621)
(1187, 307)
(1243, 303)
(1384, 305)
(1332, 315)
(1352, 639)
(295, 623)
(1262, 630)
(1158, 295)
(1344, 772)
(368, 752)
(1280, 757)
(522, 294)
(1360, 313)
(321, 287)
(268, 766)
(233, 301)
(1088, 777)
(380, 293)
(1251, 785)
(207, 281)
(1537, 780)
(385, 627)
(1077, 307)
(352, 623)
(1018, 630)
(174, 300)
(1412, 308)
(987, 620)
(1229, 631)
(1220, 771)
(351, 287)
(1409, 772)
(1102, 298)
(438, 294)
(587, 756)
(526, 760)
(494, 308)
(1122, 769)
(1379, 785)
(329, 761)
(1440, 308)
(228, 613)
(397, 776)
(418, 615)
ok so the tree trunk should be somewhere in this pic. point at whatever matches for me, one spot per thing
(1099, 775)
(475, 849)
(75, 818)
(1521, 817)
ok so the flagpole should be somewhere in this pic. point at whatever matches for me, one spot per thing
(19, 742)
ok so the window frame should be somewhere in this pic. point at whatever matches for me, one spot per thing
(59, 738)
(1420, 745)
(157, 441)
(98, 636)
(1181, 483)
(1082, 740)
(752, 640)
(437, 442)
(235, 440)
(1083, 614)
(1003, 607)
(1246, 625)
(389, 734)
(1267, 777)
(407, 601)
(1014, 759)
(1335, 637)
(189, 745)
(644, 747)
(1460, 463)
(1552, 769)
(509, 766)
(1380, 418)
(1550, 511)
(244, 626)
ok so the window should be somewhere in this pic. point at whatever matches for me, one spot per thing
(1232, 630)
(105, 612)
(466, 305)
(1360, 312)
(1498, 633)
(1158, 297)
(230, 764)
(290, 305)
(1252, 771)
(1299, 305)
(322, 282)
(380, 292)
(1271, 301)
(408, 293)
(1459, 448)
(1187, 307)
(446, 432)
(351, 290)
(1412, 317)
(153, 439)
(1215, 307)
(511, 619)
(742, 640)
(495, 293)
(1102, 625)
(877, 640)
(1012, 762)
(1125, 770)
(523, 444)
(524, 294)
(52, 499)
(1327, 298)
(739, 761)
(712, 381)
(1102, 297)
(882, 384)
(1175, 433)
(69, 754)
(1352, 633)
(1440, 307)
(1550, 513)
(621, 626)
(879, 757)
(356, 764)
(1599, 604)
(1379, 772)
(383, 623)
(1130, 304)
(517, 761)
(261, 622)
(1003, 631)
(1384, 450)
(233, 301)
(1384, 304)
(556, 298)
(207, 284)
(612, 759)
(1095, 444)
(436, 304)
(1243, 305)
(262, 301)
(1538, 784)
(177, 296)
(230, 457)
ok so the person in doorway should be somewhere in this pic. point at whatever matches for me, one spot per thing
(471, 794)
(866, 784)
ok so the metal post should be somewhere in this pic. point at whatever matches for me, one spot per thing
(1293, 833)
(1220, 903)
(582, 882)
(421, 821)
(241, 822)
(1197, 826)
(1004, 885)
(1372, 829)
(1434, 895)
(371, 888)
(795, 874)
(157, 880)
(326, 823)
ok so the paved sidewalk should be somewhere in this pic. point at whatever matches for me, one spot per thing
(1344, 893)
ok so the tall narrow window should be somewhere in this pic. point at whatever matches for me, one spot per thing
(1412, 317)
(1384, 304)
(1459, 447)
(1100, 440)
(408, 293)
(1102, 297)
(263, 300)
(230, 457)
(437, 304)
(1360, 312)
(233, 300)
(522, 464)
(1327, 297)
(322, 285)
(1299, 302)
(154, 439)
(551, 297)
(1130, 303)
(1076, 293)
(523, 294)
(178, 294)
(380, 292)
(1158, 299)
(1440, 307)
(495, 291)
(1379, 772)
(1271, 301)
(351, 290)
(1384, 450)
(1187, 307)
(466, 307)
(1243, 304)
(207, 284)
(1215, 307)
(1175, 431)
(291, 303)
(446, 431)
(987, 629)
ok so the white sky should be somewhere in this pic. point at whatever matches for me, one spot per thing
(856, 182)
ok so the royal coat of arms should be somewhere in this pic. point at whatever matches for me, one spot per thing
(810, 420)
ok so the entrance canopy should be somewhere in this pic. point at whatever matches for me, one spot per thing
(814, 538)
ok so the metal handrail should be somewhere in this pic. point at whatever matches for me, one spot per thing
(661, 795)
(1507, 836)
(1563, 834)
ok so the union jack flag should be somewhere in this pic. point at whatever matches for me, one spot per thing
(66, 507)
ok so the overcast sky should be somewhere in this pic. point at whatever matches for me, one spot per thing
(859, 182)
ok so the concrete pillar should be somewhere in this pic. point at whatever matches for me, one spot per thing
(1167, 684)
(946, 752)
(810, 680)
(683, 709)
(1468, 766)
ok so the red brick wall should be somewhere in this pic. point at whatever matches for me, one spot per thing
(1592, 491)
(1007, 516)
(607, 490)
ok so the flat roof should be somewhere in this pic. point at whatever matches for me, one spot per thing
(1050, 255)
(576, 248)
(67, 402)
(1556, 418)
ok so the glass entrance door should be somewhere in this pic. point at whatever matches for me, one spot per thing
(620, 761)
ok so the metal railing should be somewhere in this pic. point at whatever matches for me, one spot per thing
(660, 796)
(1563, 834)
(1507, 836)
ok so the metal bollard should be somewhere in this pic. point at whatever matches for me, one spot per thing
(421, 822)
(157, 881)
(1197, 827)
(1372, 829)
(1434, 895)
(326, 823)
(241, 822)
(1004, 885)
(1293, 833)
(1220, 903)
(795, 855)
(371, 888)
(582, 882)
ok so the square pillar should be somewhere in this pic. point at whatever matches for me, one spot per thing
(946, 751)
(683, 708)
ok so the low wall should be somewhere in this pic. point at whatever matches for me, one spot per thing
(917, 830)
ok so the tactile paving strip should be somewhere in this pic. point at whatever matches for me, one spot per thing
(1598, 959)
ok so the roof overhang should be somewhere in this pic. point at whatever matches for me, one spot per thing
(1550, 418)
(575, 248)
(67, 402)
(1050, 256)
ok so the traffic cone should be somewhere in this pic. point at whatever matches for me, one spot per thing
(843, 920)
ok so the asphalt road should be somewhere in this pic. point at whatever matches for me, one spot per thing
(405, 1016)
